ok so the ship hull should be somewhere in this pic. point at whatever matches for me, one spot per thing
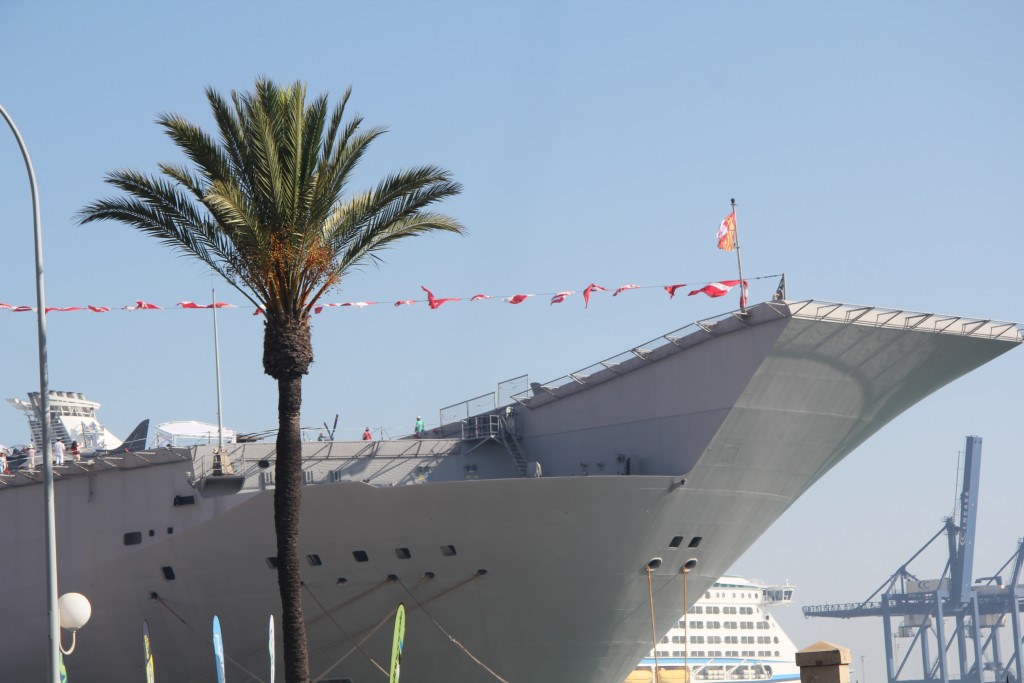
(683, 449)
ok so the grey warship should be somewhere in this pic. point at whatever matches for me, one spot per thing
(520, 535)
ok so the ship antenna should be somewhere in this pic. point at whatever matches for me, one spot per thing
(216, 362)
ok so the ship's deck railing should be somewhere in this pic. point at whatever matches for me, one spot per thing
(379, 463)
(459, 412)
(812, 309)
(92, 465)
(627, 361)
(896, 319)
(852, 607)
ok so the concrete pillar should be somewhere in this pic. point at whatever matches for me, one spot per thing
(824, 663)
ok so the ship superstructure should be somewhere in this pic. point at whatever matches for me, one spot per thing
(72, 418)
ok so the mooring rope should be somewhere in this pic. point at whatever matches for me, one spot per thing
(343, 632)
(654, 630)
(448, 635)
(369, 633)
(686, 627)
(156, 598)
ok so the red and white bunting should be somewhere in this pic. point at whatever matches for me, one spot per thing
(671, 289)
(712, 289)
(625, 288)
(716, 289)
(560, 297)
(192, 304)
(433, 301)
(142, 306)
(586, 293)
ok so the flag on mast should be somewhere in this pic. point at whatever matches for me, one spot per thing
(727, 232)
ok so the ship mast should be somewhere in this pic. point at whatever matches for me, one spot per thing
(216, 359)
(739, 259)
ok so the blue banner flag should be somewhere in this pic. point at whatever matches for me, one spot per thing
(218, 649)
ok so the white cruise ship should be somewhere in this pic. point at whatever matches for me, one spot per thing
(727, 635)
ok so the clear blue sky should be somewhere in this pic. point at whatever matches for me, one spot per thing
(875, 150)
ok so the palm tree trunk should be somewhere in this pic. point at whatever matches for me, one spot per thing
(287, 505)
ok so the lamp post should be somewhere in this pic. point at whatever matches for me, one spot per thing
(44, 419)
(75, 610)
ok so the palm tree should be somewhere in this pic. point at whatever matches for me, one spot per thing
(266, 206)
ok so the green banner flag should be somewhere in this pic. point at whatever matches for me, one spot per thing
(63, 671)
(397, 643)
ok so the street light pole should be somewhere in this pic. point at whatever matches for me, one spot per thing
(44, 419)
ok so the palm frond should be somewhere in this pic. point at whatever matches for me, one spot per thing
(264, 201)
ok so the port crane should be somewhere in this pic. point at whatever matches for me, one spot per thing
(954, 616)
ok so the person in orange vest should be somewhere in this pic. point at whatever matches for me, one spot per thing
(367, 436)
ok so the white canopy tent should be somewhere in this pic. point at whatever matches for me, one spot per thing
(189, 433)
